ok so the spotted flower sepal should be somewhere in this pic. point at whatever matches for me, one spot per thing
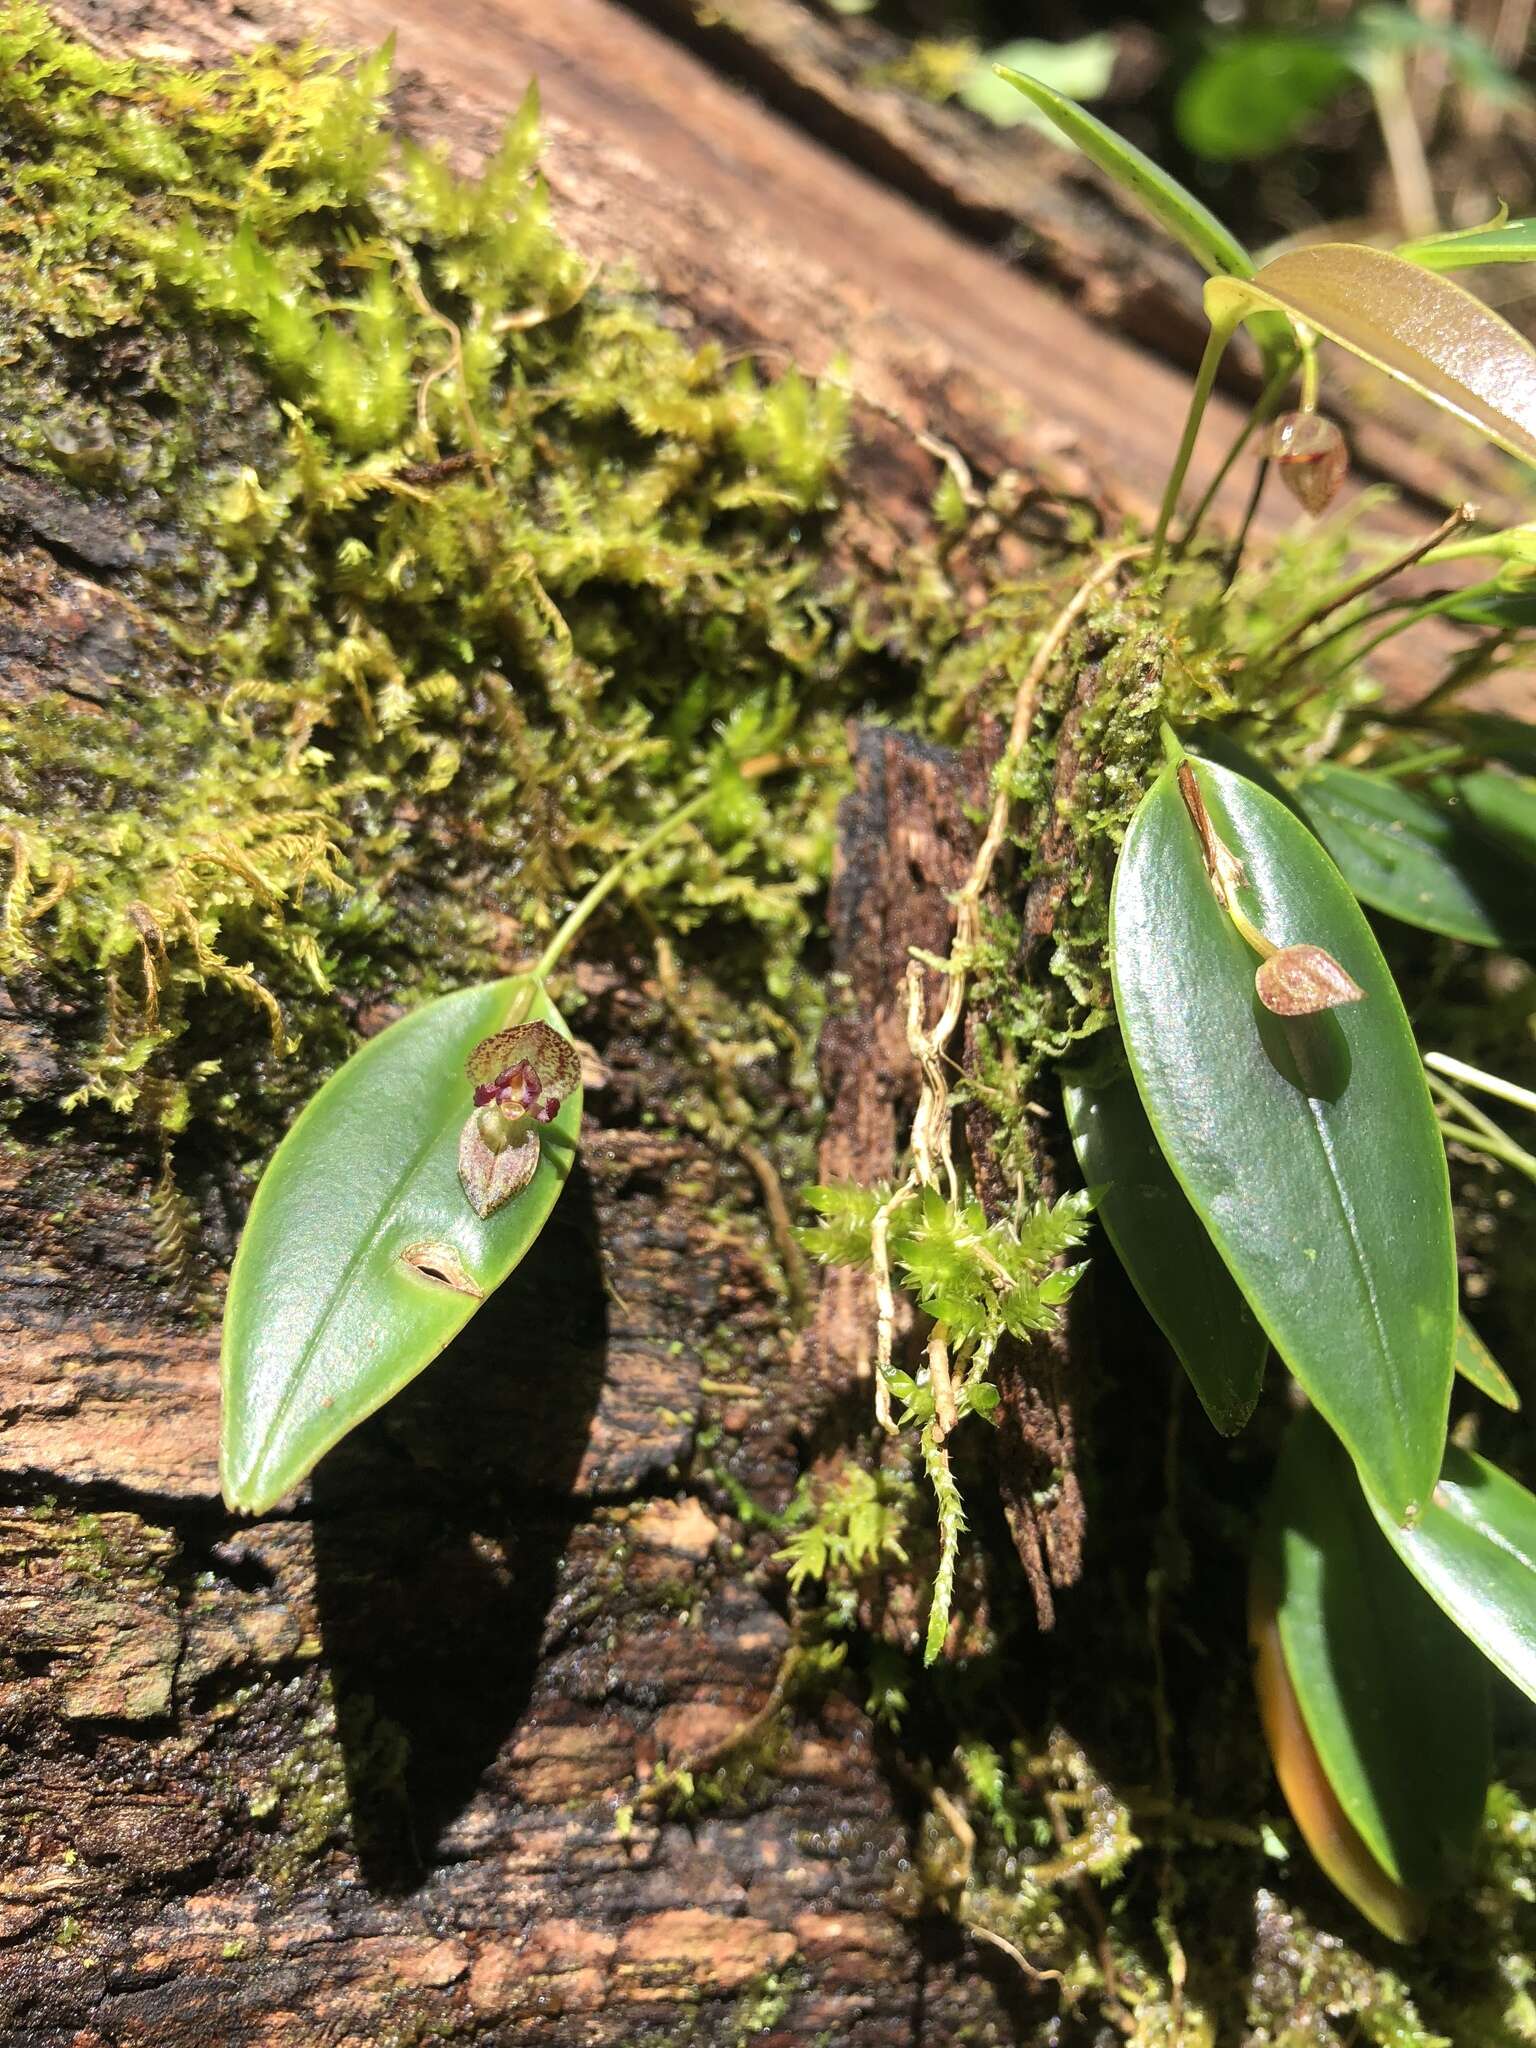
(521, 1076)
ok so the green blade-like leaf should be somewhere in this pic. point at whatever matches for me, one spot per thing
(1473, 1549)
(1393, 1699)
(1488, 604)
(1510, 241)
(1307, 1145)
(1417, 860)
(1163, 1246)
(1082, 69)
(1477, 1364)
(1178, 211)
(1254, 94)
(325, 1322)
(1414, 324)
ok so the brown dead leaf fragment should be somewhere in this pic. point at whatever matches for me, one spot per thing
(1298, 981)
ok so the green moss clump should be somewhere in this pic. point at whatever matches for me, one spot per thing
(447, 567)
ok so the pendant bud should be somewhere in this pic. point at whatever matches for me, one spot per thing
(1310, 454)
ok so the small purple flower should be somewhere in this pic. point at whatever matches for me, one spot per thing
(521, 1076)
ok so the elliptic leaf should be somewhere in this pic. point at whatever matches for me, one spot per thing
(361, 1256)
(1255, 93)
(1163, 1246)
(1392, 1701)
(1419, 861)
(1307, 1145)
(1473, 1549)
(1412, 323)
(1477, 1365)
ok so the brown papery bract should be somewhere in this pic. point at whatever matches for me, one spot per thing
(1298, 981)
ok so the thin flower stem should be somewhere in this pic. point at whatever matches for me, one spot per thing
(1503, 1150)
(1474, 1077)
(605, 885)
(1474, 1116)
(1210, 362)
(1462, 516)
(1235, 553)
(1263, 406)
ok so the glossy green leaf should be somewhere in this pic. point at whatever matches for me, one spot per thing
(1254, 93)
(1473, 1549)
(1510, 241)
(1505, 809)
(1414, 324)
(1211, 743)
(1417, 860)
(1394, 1700)
(361, 1256)
(1307, 1145)
(1477, 1365)
(1163, 1246)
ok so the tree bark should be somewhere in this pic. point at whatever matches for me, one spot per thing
(383, 1768)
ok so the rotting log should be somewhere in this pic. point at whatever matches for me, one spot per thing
(376, 1769)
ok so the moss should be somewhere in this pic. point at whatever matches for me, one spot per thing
(443, 566)
(329, 1787)
(473, 567)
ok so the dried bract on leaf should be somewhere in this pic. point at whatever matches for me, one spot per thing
(491, 1175)
(1310, 454)
(440, 1265)
(1298, 981)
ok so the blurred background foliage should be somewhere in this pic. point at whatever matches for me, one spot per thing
(1293, 119)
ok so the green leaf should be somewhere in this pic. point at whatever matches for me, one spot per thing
(1210, 743)
(1175, 210)
(1477, 1364)
(1082, 68)
(1508, 609)
(1494, 736)
(1307, 1145)
(1509, 241)
(1417, 860)
(1255, 93)
(1393, 1703)
(1163, 1246)
(1505, 809)
(1389, 33)
(1473, 1549)
(1412, 323)
(327, 1319)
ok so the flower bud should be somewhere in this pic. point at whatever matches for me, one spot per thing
(1310, 454)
